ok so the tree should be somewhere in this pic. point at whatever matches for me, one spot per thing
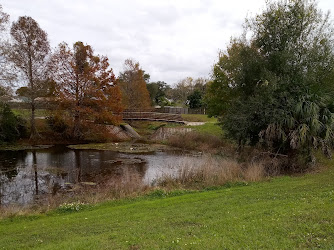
(28, 52)
(12, 127)
(186, 87)
(133, 86)
(158, 91)
(195, 100)
(6, 74)
(276, 88)
(4, 18)
(182, 90)
(85, 86)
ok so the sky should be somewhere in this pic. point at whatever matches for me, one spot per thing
(171, 39)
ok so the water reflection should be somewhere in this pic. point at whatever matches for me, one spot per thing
(25, 176)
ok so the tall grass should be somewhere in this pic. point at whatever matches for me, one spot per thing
(213, 172)
(196, 141)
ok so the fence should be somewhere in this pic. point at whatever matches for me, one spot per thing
(180, 110)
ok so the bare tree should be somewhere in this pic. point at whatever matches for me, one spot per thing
(4, 18)
(6, 73)
(28, 52)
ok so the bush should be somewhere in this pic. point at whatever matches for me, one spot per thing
(12, 127)
(57, 124)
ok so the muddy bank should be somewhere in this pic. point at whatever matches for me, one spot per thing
(124, 147)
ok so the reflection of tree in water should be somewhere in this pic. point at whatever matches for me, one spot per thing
(9, 161)
(29, 179)
(78, 171)
(27, 175)
(8, 167)
(126, 170)
(103, 166)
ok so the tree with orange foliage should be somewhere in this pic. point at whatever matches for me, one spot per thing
(85, 86)
(133, 86)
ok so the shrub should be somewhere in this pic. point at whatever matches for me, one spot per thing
(57, 124)
(12, 127)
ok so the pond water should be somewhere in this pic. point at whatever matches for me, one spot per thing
(25, 175)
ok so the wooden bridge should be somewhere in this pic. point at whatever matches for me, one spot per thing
(151, 116)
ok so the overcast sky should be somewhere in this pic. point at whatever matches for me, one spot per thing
(171, 39)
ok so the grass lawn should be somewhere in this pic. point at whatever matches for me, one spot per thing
(26, 113)
(284, 213)
(197, 118)
(210, 127)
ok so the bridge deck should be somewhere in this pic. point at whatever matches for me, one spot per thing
(152, 116)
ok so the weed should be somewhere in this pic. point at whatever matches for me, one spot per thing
(72, 207)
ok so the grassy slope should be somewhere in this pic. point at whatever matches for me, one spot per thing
(210, 127)
(198, 118)
(286, 212)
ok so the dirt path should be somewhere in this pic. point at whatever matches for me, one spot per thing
(194, 123)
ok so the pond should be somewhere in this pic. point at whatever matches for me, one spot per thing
(28, 174)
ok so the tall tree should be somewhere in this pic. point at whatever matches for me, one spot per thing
(85, 86)
(28, 52)
(195, 100)
(276, 87)
(4, 18)
(158, 91)
(185, 88)
(182, 90)
(6, 74)
(133, 85)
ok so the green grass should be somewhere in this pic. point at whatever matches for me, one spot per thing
(26, 113)
(284, 213)
(209, 128)
(197, 118)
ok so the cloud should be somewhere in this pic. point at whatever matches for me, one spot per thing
(171, 39)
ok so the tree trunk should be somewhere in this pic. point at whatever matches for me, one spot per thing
(76, 128)
(33, 131)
